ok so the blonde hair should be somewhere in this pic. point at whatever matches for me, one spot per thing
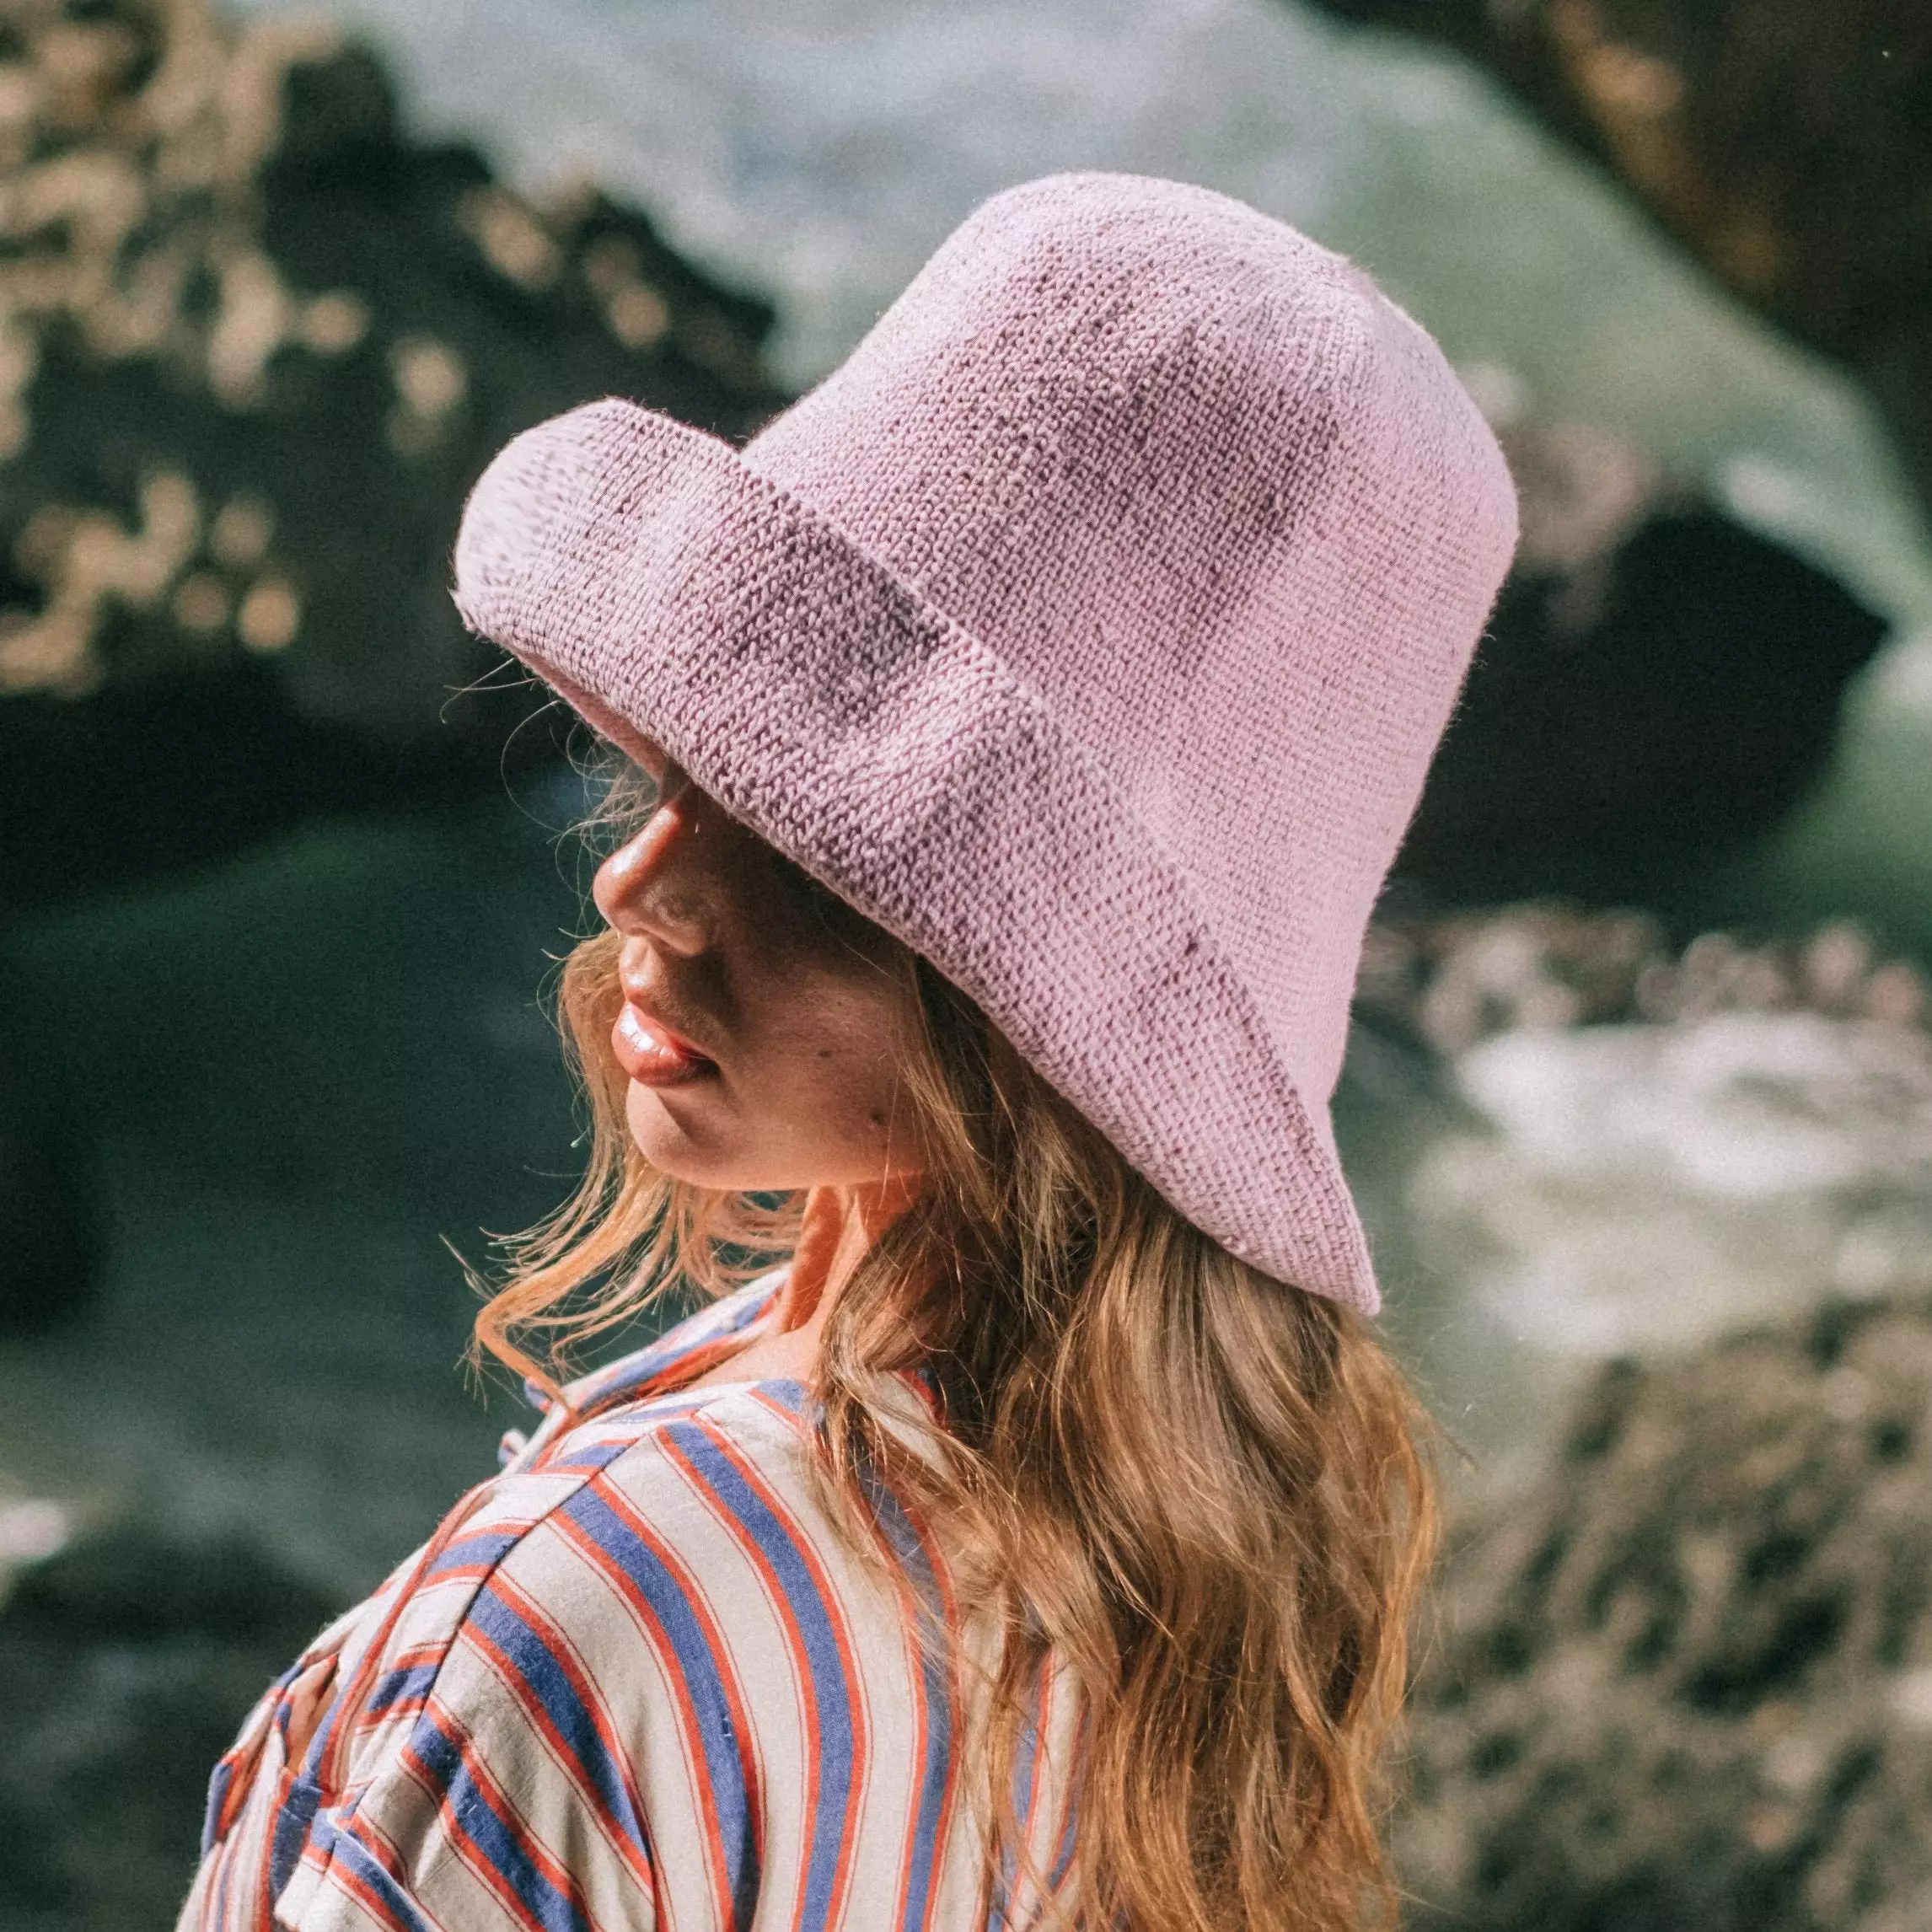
(1201, 1489)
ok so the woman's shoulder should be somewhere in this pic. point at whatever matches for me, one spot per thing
(547, 1670)
(628, 1435)
(630, 1494)
(652, 1601)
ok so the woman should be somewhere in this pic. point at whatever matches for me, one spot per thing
(1018, 729)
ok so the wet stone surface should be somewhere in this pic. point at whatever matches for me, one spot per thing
(1688, 1680)
(128, 1660)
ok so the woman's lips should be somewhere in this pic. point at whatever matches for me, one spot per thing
(648, 1050)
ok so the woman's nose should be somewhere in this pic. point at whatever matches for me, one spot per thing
(649, 888)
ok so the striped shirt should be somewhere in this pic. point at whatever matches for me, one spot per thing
(638, 1679)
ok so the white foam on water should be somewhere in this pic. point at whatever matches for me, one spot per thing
(1650, 1187)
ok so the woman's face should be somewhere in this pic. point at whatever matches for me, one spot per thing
(765, 1028)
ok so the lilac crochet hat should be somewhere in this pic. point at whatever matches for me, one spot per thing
(1090, 628)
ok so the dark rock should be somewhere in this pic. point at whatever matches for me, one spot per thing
(1687, 1681)
(131, 1584)
(129, 1661)
(51, 1241)
(1658, 684)
(1787, 145)
(256, 344)
(138, 779)
(49, 1258)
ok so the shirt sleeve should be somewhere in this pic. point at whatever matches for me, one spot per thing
(497, 1793)
(486, 1818)
(544, 1727)
(466, 1772)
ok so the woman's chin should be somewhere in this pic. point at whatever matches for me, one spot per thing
(671, 1130)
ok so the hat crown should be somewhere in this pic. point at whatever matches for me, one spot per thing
(1219, 502)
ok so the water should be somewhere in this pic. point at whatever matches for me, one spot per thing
(303, 1070)
(1612, 1189)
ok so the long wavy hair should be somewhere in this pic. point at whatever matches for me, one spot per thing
(1205, 1492)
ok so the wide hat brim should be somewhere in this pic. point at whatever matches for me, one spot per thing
(665, 589)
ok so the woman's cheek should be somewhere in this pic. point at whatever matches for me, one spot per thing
(868, 1096)
(825, 1058)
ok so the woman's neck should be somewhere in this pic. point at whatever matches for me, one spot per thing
(838, 1226)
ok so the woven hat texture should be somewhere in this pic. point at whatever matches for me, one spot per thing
(1090, 628)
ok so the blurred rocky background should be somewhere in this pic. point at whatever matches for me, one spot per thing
(1638, 1101)
(256, 345)
(1749, 129)
(1687, 1680)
